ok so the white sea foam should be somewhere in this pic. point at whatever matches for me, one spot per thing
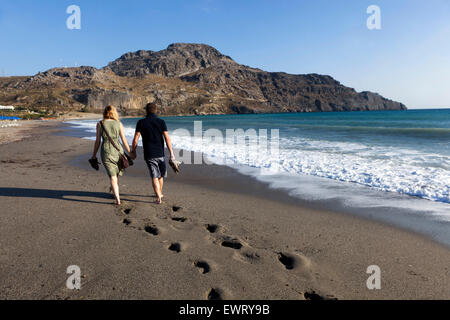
(388, 169)
(8, 123)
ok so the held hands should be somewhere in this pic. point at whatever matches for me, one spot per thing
(133, 155)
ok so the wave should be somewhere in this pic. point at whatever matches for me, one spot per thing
(390, 169)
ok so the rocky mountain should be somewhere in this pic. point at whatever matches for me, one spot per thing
(185, 79)
(177, 60)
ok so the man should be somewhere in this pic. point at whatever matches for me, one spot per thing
(154, 132)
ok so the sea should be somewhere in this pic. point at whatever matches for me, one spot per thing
(392, 166)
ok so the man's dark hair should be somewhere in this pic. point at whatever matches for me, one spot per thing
(151, 108)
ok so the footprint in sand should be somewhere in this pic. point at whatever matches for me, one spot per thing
(232, 243)
(247, 256)
(214, 294)
(288, 261)
(313, 296)
(212, 228)
(127, 211)
(202, 266)
(151, 229)
(176, 208)
(175, 247)
(179, 219)
(126, 222)
(295, 261)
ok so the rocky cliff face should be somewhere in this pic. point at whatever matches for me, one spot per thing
(178, 59)
(286, 92)
(185, 79)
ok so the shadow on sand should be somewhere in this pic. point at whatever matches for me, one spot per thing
(57, 194)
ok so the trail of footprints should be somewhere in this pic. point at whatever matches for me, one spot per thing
(289, 261)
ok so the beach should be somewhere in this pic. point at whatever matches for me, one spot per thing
(218, 234)
(11, 131)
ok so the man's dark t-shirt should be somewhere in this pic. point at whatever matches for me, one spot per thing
(151, 128)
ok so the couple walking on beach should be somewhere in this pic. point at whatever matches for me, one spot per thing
(153, 131)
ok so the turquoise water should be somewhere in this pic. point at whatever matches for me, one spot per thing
(424, 130)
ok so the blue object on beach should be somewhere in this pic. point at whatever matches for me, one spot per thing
(9, 118)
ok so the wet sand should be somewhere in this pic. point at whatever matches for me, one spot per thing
(217, 231)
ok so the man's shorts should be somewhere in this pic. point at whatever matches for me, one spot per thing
(157, 167)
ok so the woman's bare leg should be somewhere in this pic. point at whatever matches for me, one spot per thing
(115, 188)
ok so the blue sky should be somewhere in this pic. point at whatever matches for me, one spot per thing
(407, 60)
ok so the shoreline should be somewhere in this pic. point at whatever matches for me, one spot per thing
(67, 208)
(22, 129)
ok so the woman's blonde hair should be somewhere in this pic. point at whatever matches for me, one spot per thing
(110, 113)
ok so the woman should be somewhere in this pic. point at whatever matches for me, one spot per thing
(110, 155)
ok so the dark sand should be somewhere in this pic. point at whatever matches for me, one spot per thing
(216, 230)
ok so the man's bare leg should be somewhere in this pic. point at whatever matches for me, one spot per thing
(157, 189)
(161, 184)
